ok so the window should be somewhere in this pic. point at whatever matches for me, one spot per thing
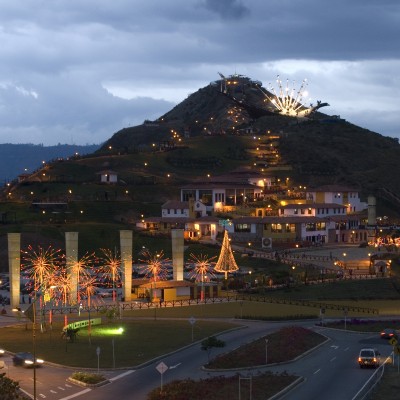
(242, 228)
(277, 228)
(205, 196)
(319, 226)
(309, 211)
(230, 197)
(290, 228)
(296, 211)
(188, 194)
(302, 211)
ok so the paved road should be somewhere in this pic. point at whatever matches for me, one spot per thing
(331, 372)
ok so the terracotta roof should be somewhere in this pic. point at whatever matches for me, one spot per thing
(107, 172)
(314, 205)
(212, 185)
(175, 204)
(180, 219)
(333, 188)
(291, 219)
(343, 218)
(278, 220)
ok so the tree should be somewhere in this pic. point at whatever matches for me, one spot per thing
(211, 342)
(9, 389)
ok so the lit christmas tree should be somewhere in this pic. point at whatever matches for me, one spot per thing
(226, 262)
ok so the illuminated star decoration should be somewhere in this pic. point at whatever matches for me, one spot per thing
(287, 100)
(111, 265)
(202, 268)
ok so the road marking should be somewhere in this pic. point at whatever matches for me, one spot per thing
(67, 385)
(335, 347)
(76, 394)
(316, 372)
(346, 348)
(332, 359)
(174, 366)
(42, 395)
(60, 387)
(121, 375)
(52, 391)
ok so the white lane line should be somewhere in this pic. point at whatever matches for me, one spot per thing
(121, 375)
(346, 349)
(76, 394)
(52, 391)
(316, 372)
(174, 366)
(60, 387)
(332, 359)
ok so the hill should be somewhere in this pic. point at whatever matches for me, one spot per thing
(320, 149)
(221, 128)
(16, 159)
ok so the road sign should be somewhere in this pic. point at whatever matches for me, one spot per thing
(393, 341)
(192, 320)
(98, 350)
(161, 368)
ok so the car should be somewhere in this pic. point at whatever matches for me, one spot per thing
(369, 357)
(26, 359)
(388, 333)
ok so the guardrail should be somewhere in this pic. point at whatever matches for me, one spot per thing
(138, 305)
(364, 392)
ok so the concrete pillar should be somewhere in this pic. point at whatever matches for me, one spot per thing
(14, 268)
(371, 210)
(126, 263)
(71, 253)
(177, 253)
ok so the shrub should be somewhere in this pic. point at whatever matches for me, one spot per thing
(87, 377)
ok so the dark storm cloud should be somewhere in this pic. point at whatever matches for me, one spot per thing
(227, 9)
(84, 69)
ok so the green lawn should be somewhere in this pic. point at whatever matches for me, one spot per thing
(140, 341)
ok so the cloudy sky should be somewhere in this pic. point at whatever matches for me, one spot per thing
(77, 71)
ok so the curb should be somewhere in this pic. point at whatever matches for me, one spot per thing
(89, 385)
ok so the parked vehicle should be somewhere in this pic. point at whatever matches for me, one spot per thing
(25, 359)
(369, 358)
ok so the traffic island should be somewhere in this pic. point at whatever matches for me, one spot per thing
(87, 379)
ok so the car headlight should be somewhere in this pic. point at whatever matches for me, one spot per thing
(1, 351)
(30, 362)
(39, 360)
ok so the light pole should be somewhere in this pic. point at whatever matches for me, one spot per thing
(34, 345)
(113, 353)
(266, 351)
